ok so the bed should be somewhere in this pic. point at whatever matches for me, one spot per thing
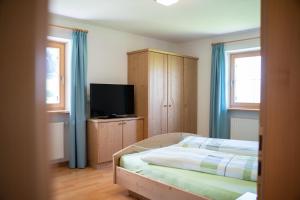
(146, 181)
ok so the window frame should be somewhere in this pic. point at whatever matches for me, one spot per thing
(62, 104)
(233, 104)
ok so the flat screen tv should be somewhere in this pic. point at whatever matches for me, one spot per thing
(111, 100)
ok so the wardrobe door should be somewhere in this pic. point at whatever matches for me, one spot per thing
(190, 95)
(175, 93)
(138, 76)
(157, 93)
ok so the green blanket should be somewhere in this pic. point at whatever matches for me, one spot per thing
(208, 185)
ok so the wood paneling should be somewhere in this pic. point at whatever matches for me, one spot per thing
(280, 110)
(110, 140)
(190, 95)
(175, 93)
(132, 132)
(158, 93)
(138, 76)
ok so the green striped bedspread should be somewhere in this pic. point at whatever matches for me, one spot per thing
(212, 186)
(203, 160)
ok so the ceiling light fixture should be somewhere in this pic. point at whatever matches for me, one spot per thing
(167, 2)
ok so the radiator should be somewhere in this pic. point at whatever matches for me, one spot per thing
(244, 129)
(56, 131)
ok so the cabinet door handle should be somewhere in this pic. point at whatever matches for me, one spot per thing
(120, 123)
(124, 122)
(169, 105)
(165, 105)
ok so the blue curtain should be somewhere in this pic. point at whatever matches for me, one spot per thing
(78, 101)
(219, 121)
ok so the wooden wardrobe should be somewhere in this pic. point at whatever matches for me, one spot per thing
(165, 90)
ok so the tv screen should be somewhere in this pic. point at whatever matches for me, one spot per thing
(110, 100)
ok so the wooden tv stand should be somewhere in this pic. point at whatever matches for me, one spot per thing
(107, 136)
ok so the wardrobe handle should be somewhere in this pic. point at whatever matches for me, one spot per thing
(165, 105)
(169, 105)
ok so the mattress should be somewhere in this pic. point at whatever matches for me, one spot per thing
(208, 185)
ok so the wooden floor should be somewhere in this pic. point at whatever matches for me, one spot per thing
(85, 184)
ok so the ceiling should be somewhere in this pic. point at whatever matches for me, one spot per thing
(187, 20)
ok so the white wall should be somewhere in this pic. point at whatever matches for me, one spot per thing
(202, 49)
(107, 48)
(107, 59)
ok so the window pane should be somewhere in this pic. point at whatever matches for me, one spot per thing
(247, 79)
(53, 76)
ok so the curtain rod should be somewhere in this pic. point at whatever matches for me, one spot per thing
(70, 28)
(230, 41)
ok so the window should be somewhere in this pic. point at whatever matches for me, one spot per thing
(245, 78)
(55, 87)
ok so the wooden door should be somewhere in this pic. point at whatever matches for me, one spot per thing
(175, 93)
(23, 145)
(190, 95)
(132, 132)
(109, 140)
(158, 93)
(280, 110)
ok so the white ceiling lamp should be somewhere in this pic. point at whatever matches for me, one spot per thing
(167, 2)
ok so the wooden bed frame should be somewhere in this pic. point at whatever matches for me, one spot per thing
(142, 187)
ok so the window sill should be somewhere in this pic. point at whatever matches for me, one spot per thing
(244, 109)
(66, 112)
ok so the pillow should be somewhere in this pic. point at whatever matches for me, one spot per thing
(192, 141)
(239, 147)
